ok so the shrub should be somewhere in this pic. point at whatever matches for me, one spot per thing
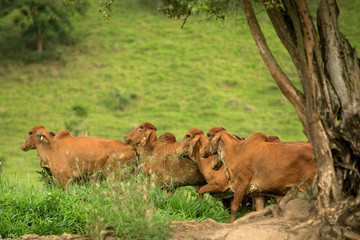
(123, 206)
(77, 122)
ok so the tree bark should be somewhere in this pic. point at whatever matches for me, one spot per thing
(341, 67)
(328, 69)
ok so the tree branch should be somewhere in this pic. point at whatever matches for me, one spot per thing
(286, 87)
(184, 21)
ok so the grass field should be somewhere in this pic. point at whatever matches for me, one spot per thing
(138, 67)
(142, 67)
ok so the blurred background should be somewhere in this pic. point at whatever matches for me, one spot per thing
(64, 66)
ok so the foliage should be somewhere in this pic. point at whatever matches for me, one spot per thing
(40, 211)
(118, 100)
(179, 8)
(46, 176)
(42, 23)
(309, 195)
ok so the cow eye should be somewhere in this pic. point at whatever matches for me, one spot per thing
(141, 127)
(30, 133)
(187, 136)
(208, 135)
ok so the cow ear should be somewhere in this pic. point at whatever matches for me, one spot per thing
(193, 145)
(42, 137)
(215, 142)
(146, 138)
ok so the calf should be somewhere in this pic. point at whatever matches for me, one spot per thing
(259, 167)
(70, 157)
(158, 158)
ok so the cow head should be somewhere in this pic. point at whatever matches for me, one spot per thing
(37, 135)
(212, 142)
(143, 135)
(191, 143)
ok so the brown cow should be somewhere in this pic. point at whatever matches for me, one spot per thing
(217, 184)
(158, 158)
(259, 167)
(70, 157)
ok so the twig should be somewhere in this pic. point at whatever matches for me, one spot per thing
(348, 167)
(303, 182)
(185, 20)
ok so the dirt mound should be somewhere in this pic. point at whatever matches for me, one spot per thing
(292, 219)
(263, 225)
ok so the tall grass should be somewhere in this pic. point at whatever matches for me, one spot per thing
(27, 210)
(124, 207)
(130, 206)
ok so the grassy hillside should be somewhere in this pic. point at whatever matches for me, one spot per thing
(142, 67)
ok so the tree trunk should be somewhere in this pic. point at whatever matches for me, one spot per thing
(328, 69)
(37, 31)
(39, 40)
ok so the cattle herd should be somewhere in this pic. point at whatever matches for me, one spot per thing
(231, 168)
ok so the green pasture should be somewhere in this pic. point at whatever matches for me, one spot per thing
(138, 67)
(141, 66)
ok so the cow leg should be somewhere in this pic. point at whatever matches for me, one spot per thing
(259, 203)
(210, 188)
(235, 203)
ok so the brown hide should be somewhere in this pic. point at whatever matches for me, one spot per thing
(257, 165)
(167, 137)
(159, 160)
(217, 184)
(190, 146)
(216, 181)
(71, 157)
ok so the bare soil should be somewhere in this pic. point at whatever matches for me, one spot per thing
(291, 220)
